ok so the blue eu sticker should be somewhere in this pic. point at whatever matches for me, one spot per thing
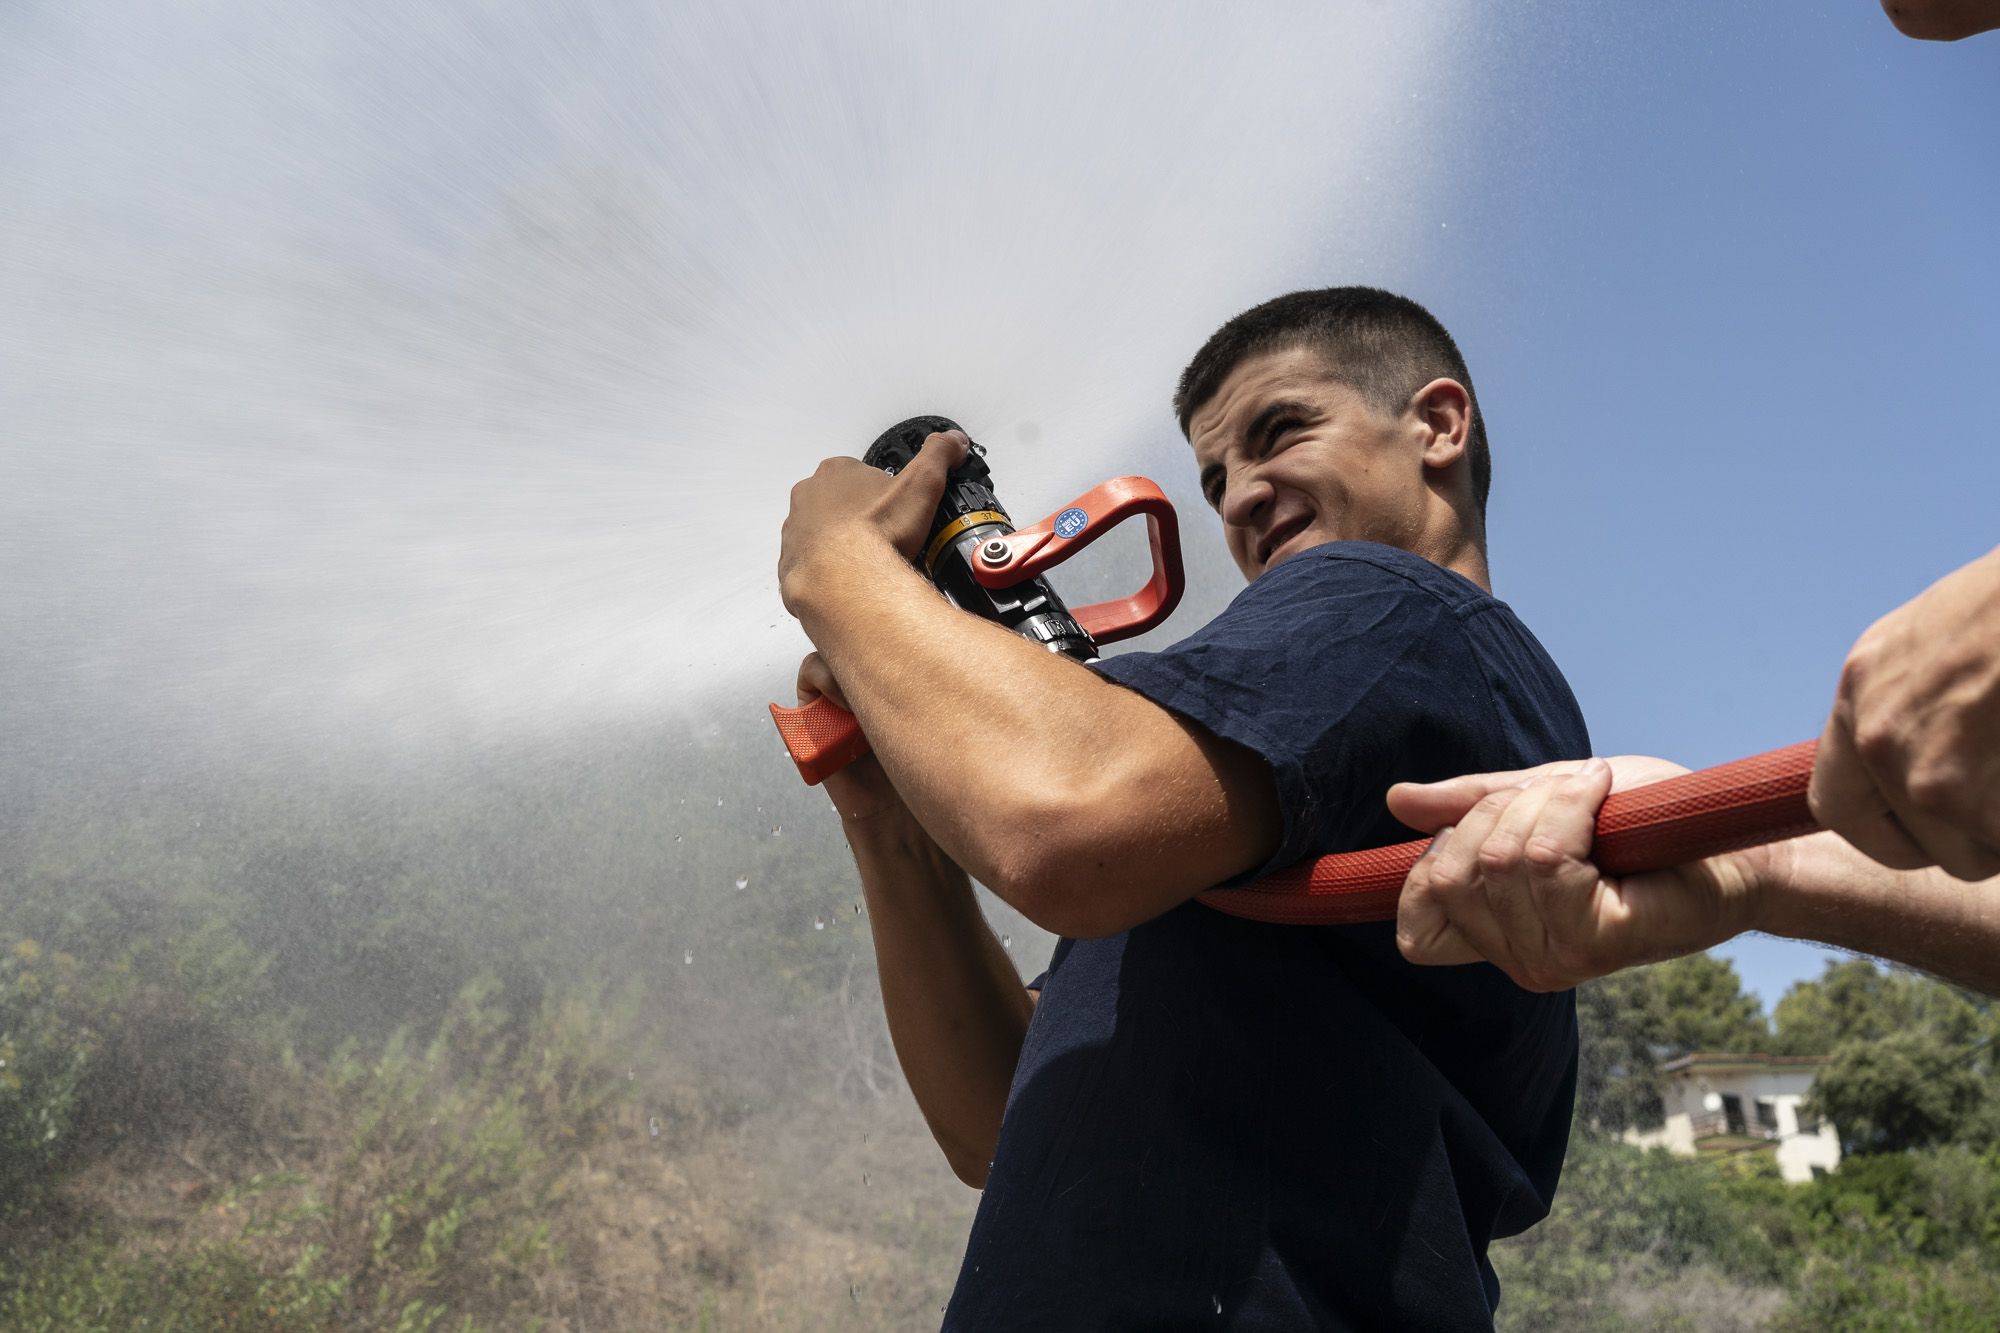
(1071, 521)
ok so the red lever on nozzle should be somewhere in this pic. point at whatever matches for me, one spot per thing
(1004, 561)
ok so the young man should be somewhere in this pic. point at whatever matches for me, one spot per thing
(1201, 1120)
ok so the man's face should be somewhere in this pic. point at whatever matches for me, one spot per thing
(1291, 458)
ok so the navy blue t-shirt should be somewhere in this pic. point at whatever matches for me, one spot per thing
(1218, 1123)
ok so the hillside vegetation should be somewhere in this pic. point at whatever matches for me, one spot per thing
(570, 1045)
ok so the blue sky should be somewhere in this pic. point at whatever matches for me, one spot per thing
(1729, 280)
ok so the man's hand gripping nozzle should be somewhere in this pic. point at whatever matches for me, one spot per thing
(982, 564)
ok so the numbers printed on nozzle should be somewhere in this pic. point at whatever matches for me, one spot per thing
(1071, 521)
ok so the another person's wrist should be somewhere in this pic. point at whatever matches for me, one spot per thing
(1793, 897)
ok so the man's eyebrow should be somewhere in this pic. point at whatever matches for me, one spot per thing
(1272, 413)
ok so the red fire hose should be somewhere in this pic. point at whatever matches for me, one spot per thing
(1723, 809)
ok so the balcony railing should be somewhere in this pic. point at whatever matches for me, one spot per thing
(1715, 1124)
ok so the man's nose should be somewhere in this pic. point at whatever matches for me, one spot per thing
(1246, 494)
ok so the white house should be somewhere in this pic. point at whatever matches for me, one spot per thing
(1744, 1103)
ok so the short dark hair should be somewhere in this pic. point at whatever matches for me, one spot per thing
(1383, 346)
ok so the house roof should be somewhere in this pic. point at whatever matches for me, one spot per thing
(1716, 1060)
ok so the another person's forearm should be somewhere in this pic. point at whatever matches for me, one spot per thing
(1819, 888)
(957, 1010)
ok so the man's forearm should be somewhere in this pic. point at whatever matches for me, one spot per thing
(1822, 889)
(957, 1010)
(977, 726)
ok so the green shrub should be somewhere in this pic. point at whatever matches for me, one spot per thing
(44, 1051)
(88, 1287)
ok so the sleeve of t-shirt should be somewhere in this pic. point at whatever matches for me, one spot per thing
(1330, 667)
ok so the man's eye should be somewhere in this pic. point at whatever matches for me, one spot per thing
(1279, 429)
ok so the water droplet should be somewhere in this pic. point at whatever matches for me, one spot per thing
(630, 1075)
(1006, 941)
(1218, 1304)
(718, 802)
(777, 830)
(677, 837)
(854, 1293)
(688, 956)
(819, 923)
(653, 1124)
(742, 882)
(864, 1178)
(857, 909)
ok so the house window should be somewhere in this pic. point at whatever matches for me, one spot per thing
(1808, 1122)
(1767, 1115)
(1732, 1113)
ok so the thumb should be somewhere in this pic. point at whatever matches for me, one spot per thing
(941, 452)
(1430, 806)
(919, 487)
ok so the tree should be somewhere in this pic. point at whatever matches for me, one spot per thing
(1855, 1000)
(1903, 1090)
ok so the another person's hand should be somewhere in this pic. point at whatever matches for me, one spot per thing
(1509, 878)
(1909, 765)
(861, 790)
(1942, 20)
(845, 502)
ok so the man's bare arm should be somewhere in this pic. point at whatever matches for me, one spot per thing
(1822, 889)
(1083, 804)
(1510, 881)
(957, 1011)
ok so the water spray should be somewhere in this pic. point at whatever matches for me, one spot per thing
(981, 564)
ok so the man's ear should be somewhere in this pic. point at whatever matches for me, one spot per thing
(1441, 414)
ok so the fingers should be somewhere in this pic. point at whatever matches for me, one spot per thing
(1514, 884)
(1430, 806)
(1453, 894)
(1568, 825)
(1424, 931)
(1845, 798)
(916, 490)
(816, 679)
(942, 451)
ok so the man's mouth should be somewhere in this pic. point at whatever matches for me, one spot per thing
(1275, 539)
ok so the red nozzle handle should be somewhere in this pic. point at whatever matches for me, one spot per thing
(822, 736)
(1030, 551)
(1723, 809)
